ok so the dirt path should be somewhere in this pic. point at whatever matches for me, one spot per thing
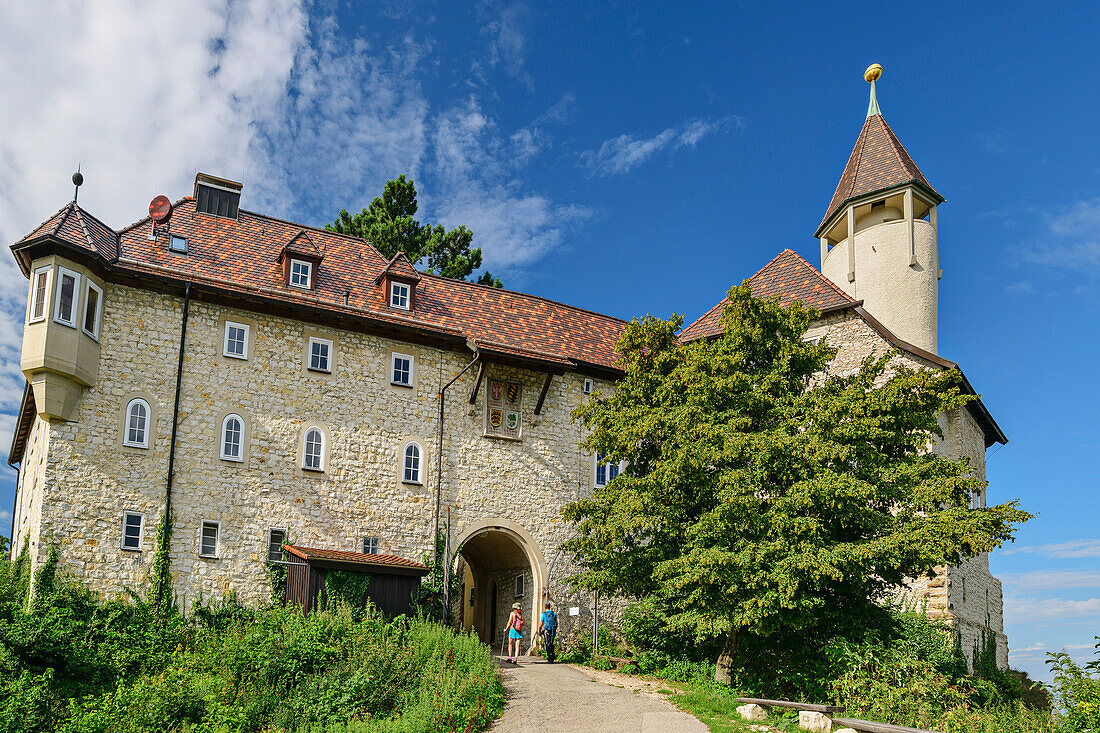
(561, 698)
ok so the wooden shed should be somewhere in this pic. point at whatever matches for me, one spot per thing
(392, 579)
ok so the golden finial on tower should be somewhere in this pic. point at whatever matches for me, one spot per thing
(874, 71)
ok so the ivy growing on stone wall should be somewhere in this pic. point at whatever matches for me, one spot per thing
(347, 586)
(161, 577)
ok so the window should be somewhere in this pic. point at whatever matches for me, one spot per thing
(301, 274)
(217, 201)
(40, 284)
(320, 354)
(314, 450)
(209, 539)
(132, 525)
(137, 424)
(519, 586)
(399, 295)
(232, 432)
(65, 307)
(236, 340)
(588, 386)
(812, 340)
(276, 538)
(177, 243)
(963, 589)
(402, 370)
(411, 475)
(606, 472)
(370, 545)
(93, 300)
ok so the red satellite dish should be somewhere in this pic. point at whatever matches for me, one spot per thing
(160, 209)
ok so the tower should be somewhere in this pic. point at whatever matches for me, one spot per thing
(879, 240)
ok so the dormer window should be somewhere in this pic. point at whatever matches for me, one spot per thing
(301, 274)
(399, 295)
(217, 196)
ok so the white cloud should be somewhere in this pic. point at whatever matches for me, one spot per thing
(143, 95)
(1052, 579)
(507, 41)
(479, 188)
(1071, 549)
(1030, 610)
(1071, 240)
(626, 152)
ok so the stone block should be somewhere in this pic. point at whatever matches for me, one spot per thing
(814, 722)
(752, 711)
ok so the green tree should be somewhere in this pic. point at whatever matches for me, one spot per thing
(390, 224)
(761, 496)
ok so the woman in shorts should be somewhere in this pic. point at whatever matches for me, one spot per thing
(515, 632)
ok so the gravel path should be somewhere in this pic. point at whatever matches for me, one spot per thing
(561, 698)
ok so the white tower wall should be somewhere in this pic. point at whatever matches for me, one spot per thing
(902, 296)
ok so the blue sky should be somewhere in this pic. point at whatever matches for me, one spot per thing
(630, 160)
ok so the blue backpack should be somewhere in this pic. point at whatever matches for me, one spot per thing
(549, 620)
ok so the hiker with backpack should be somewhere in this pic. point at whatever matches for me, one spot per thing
(515, 632)
(548, 627)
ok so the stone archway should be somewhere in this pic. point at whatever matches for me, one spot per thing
(494, 553)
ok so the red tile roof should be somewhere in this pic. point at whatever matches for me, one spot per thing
(242, 255)
(399, 266)
(316, 553)
(787, 277)
(80, 229)
(878, 161)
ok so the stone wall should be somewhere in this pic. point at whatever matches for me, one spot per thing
(86, 480)
(30, 487)
(93, 479)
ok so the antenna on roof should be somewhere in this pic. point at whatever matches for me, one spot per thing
(77, 180)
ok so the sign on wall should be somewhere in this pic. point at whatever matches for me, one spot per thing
(503, 416)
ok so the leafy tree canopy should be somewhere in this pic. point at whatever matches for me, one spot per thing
(762, 496)
(389, 224)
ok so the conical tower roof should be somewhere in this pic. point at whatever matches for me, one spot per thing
(878, 162)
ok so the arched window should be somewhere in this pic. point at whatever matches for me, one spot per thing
(411, 474)
(232, 437)
(137, 424)
(314, 450)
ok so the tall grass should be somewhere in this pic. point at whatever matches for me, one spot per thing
(71, 663)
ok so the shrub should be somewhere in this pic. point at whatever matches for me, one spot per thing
(71, 663)
(1077, 689)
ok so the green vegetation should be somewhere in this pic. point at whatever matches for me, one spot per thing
(1077, 689)
(390, 225)
(765, 504)
(70, 663)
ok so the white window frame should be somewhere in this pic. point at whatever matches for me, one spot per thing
(400, 291)
(172, 239)
(588, 386)
(320, 468)
(607, 464)
(405, 463)
(141, 531)
(285, 532)
(376, 542)
(225, 339)
(812, 340)
(328, 356)
(393, 369)
(61, 272)
(89, 286)
(144, 442)
(217, 539)
(31, 317)
(309, 274)
(239, 458)
(521, 585)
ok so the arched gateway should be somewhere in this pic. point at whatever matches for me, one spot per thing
(500, 563)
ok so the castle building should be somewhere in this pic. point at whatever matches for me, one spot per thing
(267, 383)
